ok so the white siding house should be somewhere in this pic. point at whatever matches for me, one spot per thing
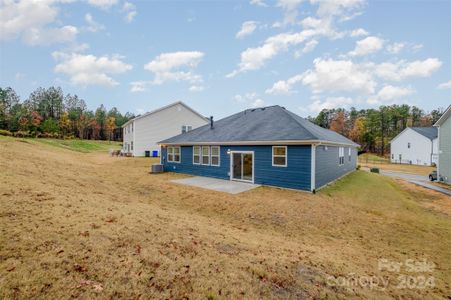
(416, 146)
(143, 132)
(444, 137)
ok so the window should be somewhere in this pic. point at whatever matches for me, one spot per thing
(131, 145)
(349, 154)
(215, 156)
(341, 156)
(279, 156)
(205, 155)
(392, 156)
(128, 127)
(408, 145)
(196, 155)
(174, 154)
(186, 128)
(132, 127)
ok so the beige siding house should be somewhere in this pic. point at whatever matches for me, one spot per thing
(142, 133)
(444, 142)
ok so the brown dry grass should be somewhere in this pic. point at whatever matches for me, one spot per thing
(91, 226)
(422, 170)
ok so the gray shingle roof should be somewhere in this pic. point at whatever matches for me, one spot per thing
(273, 123)
(429, 132)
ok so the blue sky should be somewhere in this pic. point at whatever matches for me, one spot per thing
(221, 57)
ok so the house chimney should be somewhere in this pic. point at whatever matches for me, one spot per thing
(211, 122)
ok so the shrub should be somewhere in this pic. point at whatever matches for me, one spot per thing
(358, 167)
(434, 165)
(5, 132)
(22, 134)
(374, 170)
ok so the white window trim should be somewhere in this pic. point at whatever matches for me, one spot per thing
(341, 154)
(173, 154)
(200, 155)
(219, 156)
(286, 156)
(187, 128)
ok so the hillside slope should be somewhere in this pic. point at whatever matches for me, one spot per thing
(88, 225)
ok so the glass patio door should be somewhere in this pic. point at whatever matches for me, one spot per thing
(242, 166)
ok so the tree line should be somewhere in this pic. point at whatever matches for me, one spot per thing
(373, 129)
(50, 113)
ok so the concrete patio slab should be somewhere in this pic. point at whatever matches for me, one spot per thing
(219, 185)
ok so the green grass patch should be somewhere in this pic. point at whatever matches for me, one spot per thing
(84, 146)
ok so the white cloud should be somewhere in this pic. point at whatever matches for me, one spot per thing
(249, 100)
(35, 36)
(258, 103)
(138, 86)
(343, 8)
(417, 47)
(196, 88)
(258, 3)
(323, 25)
(395, 48)
(445, 85)
(290, 8)
(93, 26)
(368, 45)
(32, 22)
(167, 66)
(330, 103)
(338, 75)
(402, 69)
(247, 28)
(309, 47)
(282, 87)
(359, 32)
(103, 4)
(255, 58)
(87, 70)
(389, 93)
(130, 11)
(79, 47)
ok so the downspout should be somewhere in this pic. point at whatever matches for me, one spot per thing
(438, 153)
(313, 168)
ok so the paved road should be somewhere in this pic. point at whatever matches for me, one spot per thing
(406, 176)
(417, 179)
(431, 186)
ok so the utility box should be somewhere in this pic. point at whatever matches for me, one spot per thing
(156, 168)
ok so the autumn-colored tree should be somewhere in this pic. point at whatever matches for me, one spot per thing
(358, 130)
(23, 123)
(64, 123)
(109, 127)
(338, 123)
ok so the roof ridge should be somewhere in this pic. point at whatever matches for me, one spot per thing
(293, 118)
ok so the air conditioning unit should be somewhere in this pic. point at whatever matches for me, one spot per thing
(156, 168)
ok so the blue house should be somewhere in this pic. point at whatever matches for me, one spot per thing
(269, 146)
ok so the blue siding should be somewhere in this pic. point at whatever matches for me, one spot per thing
(327, 167)
(296, 175)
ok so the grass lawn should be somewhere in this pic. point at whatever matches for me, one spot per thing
(78, 145)
(370, 160)
(86, 225)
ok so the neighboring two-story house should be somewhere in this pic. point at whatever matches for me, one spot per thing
(415, 146)
(444, 146)
(142, 133)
